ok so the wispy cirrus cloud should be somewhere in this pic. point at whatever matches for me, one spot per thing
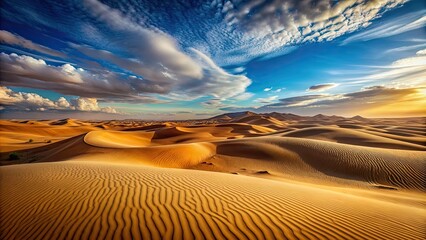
(406, 48)
(409, 71)
(391, 27)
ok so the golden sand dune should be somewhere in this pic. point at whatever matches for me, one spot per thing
(320, 160)
(260, 120)
(80, 200)
(296, 158)
(419, 140)
(350, 136)
(293, 178)
(189, 155)
(24, 135)
(118, 139)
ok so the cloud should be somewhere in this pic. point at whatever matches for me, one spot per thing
(232, 33)
(213, 103)
(238, 70)
(11, 100)
(16, 40)
(321, 87)
(156, 51)
(25, 71)
(409, 71)
(156, 59)
(421, 52)
(406, 48)
(307, 100)
(391, 27)
(267, 89)
(272, 28)
(90, 105)
(215, 82)
(266, 99)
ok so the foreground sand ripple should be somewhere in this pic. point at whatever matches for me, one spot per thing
(94, 200)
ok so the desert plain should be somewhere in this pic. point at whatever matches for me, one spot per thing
(235, 176)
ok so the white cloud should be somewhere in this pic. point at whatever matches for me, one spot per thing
(267, 89)
(90, 105)
(421, 52)
(216, 82)
(238, 70)
(28, 67)
(279, 90)
(33, 102)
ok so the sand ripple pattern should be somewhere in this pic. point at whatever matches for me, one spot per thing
(83, 200)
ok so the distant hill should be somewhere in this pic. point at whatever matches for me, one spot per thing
(253, 118)
(233, 116)
(358, 118)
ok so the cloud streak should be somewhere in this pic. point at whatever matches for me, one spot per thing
(405, 23)
(16, 40)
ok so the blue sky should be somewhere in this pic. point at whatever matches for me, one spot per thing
(194, 59)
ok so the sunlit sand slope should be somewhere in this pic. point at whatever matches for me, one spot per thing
(326, 161)
(81, 200)
(351, 136)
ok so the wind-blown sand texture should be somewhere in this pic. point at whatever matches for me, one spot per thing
(237, 176)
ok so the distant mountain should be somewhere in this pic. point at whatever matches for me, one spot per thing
(284, 116)
(233, 116)
(358, 118)
(321, 117)
(253, 118)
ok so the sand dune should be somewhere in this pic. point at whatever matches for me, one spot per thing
(31, 134)
(260, 120)
(103, 201)
(349, 136)
(331, 162)
(237, 176)
(118, 139)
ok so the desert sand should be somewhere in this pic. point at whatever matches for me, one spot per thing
(234, 176)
